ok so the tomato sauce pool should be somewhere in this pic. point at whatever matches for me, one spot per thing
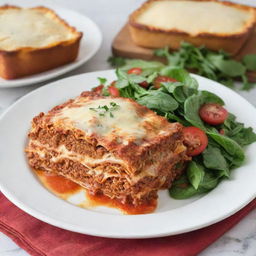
(65, 188)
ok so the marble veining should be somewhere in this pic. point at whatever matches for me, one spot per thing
(240, 240)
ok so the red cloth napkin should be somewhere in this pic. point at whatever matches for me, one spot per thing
(39, 238)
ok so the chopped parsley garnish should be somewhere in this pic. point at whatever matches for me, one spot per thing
(103, 110)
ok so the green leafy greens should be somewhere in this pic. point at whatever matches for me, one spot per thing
(217, 66)
(181, 100)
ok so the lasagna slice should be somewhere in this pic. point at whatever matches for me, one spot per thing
(110, 146)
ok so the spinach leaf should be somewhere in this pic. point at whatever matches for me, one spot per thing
(122, 83)
(148, 67)
(179, 94)
(193, 104)
(171, 86)
(172, 117)
(229, 122)
(138, 90)
(244, 137)
(213, 159)
(122, 79)
(250, 61)
(158, 100)
(230, 146)
(180, 75)
(125, 79)
(177, 89)
(209, 182)
(181, 189)
(151, 77)
(195, 173)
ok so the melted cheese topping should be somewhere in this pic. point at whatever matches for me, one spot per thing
(195, 17)
(30, 28)
(124, 123)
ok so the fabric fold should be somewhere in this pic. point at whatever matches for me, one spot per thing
(41, 239)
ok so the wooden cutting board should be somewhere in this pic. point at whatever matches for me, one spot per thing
(123, 46)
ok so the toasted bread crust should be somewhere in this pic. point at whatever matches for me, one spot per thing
(152, 37)
(25, 61)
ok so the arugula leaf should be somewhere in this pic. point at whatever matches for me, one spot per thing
(158, 100)
(217, 66)
(116, 61)
(250, 61)
(195, 173)
(230, 68)
(213, 159)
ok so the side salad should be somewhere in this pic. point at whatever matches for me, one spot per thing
(215, 139)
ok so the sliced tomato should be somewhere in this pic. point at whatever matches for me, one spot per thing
(162, 79)
(144, 84)
(113, 91)
(113, 83)
(213, 113)
(195, 139)
(222, 132)
(135, 71)
(98, 89)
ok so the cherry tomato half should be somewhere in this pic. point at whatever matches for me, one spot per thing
(144, 84)
(113, 83)
(162, 79)
(113, 91)
(195, 139)
(213, 113)
(98, 89)
(222, 132)
(135, 71)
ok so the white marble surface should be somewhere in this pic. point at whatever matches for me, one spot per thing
(110, 15)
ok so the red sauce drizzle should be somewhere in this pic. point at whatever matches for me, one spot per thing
(63, 187)
(58, 184)
(102, 200)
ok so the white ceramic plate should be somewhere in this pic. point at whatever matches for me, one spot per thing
(19, 184)
(89, 45)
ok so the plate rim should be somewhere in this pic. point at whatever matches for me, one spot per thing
(69, 226)
(64, 69)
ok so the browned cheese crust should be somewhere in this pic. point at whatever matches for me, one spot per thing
(26, 61)
(153, 37)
